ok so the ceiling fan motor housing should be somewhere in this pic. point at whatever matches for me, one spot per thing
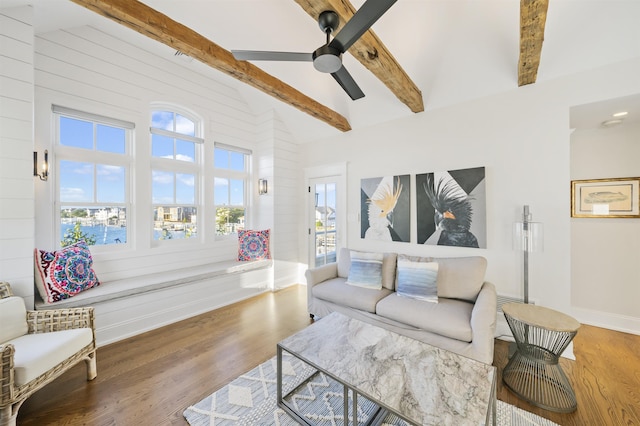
(328, 21)
(327, 59)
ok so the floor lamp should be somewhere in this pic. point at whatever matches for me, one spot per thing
(528, 237)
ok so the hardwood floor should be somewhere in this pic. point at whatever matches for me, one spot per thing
(150, 379)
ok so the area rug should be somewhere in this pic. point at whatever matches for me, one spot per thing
(251, 400)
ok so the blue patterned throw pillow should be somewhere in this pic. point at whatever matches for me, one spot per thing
(418, 280)
(366, 270)
(253, 245)
(64, 273)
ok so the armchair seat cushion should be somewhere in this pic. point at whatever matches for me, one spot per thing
(35, 354)
(336, 290)
(450, 318)
(13, 318)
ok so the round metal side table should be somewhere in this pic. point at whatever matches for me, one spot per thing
(533, 372)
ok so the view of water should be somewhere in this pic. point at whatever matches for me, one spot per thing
(115, 234)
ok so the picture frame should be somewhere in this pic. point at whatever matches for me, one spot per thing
(606, 198)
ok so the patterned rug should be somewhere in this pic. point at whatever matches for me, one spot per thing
(251, 400)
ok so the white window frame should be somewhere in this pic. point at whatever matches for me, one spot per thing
(176, 166)
(95, 157)
(244, 175)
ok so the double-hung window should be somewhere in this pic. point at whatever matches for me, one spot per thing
(176, 148)
(231, 176)
(93, 158)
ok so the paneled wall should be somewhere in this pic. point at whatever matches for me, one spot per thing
(278, 162)
(16, 151)
(86, 69)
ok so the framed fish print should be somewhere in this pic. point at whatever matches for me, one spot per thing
(610, 198)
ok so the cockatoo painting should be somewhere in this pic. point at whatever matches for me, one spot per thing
(385, 208)
(451, 208)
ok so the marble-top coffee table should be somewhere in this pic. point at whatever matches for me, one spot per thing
(418, 382)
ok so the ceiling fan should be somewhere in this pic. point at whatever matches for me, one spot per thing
(328, 58)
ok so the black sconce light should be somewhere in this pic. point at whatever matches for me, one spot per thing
(44, 175)
(262, 186)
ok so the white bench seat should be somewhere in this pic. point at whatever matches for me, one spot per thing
(111, 290)
(130, 306)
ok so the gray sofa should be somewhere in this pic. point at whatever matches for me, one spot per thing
(462, 321)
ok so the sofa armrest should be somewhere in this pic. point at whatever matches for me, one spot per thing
(60, 319)
(321, 273)
(316, 276)
(483, 322)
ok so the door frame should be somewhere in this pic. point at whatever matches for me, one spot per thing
(338, 172)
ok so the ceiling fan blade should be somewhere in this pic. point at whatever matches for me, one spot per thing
(347, 82)
(261, 55)
(363, 19)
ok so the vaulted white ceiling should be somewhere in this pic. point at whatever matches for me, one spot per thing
(454, 50)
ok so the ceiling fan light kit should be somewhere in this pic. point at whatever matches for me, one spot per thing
(328, 58)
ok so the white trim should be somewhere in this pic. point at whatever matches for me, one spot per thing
(339, 172)
(232, 148)
(611, 321)
(175, 135)
(70, 112)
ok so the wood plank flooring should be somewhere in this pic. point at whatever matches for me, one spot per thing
(150, 379)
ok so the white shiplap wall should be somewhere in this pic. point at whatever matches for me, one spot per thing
(86, 69)
(287, 178)
(278, 162)
(16, 150)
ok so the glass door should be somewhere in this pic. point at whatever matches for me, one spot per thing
(323, 221)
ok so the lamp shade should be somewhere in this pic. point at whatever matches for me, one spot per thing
(528, 236)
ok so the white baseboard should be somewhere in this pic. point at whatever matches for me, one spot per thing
(623, 323)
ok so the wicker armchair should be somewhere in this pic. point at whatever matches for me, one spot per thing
(62, 337)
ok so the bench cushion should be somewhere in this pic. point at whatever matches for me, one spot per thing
(449, 318)
(13, 318)
(36, 354)
(337, 291)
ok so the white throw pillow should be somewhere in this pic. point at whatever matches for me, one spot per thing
(366, 270)
(418, 280)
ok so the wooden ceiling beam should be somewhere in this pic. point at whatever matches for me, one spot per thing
(371, 53)
(145, 20)
(533, 17)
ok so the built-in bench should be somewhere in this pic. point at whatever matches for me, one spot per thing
(130, 306)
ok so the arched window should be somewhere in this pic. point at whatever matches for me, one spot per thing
(176, 149)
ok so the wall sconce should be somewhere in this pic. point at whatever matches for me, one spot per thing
(44, 175)
(262, 186)
(527, 237)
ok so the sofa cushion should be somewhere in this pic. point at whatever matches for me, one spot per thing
(344, 262)
(458, 277)
(449, 318)
(338, 292)
(13, 318)
(388, 267)
(38, 353)
(418, 280)
(365, 270)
